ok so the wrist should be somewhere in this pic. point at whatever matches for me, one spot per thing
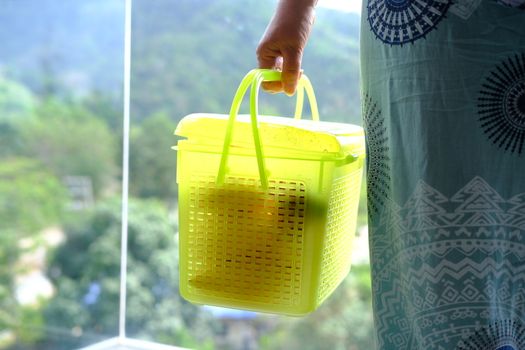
(298, 4)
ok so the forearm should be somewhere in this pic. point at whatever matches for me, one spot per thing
(298, 3)
(296, 8)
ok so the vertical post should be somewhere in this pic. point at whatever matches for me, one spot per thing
(125, 170)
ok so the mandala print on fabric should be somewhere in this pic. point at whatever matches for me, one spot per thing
(444, 267)
(512, 3)
(501, 335)
(397, 22)
(378, 169)
(501, 104)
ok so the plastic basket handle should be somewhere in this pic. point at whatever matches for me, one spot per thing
(254, 80)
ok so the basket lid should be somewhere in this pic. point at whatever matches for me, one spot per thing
(297, 136)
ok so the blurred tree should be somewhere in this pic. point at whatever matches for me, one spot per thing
(362, 214)
(189, 56)
(17, 104)
(72, 141)
(11, 143)
(16, 101)
(344, 322)
(106, 107)
(85, 270)
(152, 161)
(31, 198)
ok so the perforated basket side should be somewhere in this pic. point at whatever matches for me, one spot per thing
(340, 227)
(246, 244)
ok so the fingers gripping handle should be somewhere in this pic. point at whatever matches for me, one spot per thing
(253, 80)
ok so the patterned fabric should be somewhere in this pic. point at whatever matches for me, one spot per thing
(403, 21)
(443, 86)
(513, 3)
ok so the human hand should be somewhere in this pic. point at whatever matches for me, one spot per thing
(283, 43)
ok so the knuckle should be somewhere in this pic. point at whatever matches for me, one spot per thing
(259, 50)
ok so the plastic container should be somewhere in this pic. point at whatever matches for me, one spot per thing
(267, 205)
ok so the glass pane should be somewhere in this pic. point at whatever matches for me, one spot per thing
(189, 56)
(60, 187)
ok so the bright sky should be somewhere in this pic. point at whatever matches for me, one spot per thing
(342, 5)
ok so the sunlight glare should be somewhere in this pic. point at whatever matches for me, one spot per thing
(342, 5)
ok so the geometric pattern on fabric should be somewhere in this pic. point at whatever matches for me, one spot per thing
(378, 168)
(500, 335)
(443, 268)
(396, 22)
(512, 3)
(501, 104)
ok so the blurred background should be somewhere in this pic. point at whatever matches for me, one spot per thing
(61, 65)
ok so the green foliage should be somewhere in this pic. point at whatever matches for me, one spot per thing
(152, 161)
(105, 107)
(344, 322)
(17, 104)
(30, 315)
(362, 213)
(31, 198)
(71, 141)
(9, 310)
(16, 101)
(77, 42)
(192, 55)
(188, 56)
(11, 143)
(85, 270)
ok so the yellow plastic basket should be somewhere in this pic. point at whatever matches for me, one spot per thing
(266, 229)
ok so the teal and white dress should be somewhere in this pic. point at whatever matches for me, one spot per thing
(443, 93)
